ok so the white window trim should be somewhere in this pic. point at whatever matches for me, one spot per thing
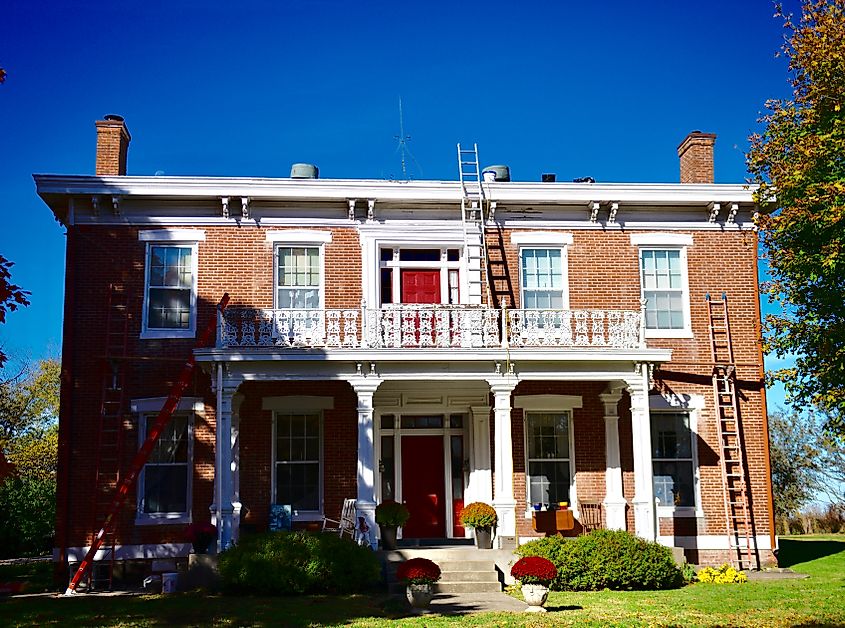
(442, 264)
(321, 249)
(564, 264)
(550, 403)
(147, 411)
(146, 332)
(545, 239)
(667, 242)
(692, 404)
(301, 515)
(299, 237)
(171, 235)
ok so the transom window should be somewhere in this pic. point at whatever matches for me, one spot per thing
(662, 281)
(165, 479)
(298, 438)
(549, 470)
(298, 277)
(672, 459)
(541, 271)
(170, 287)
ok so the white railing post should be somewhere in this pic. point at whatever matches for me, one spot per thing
(642, 322)
(219, 330)
(364, 325)
(504, 326)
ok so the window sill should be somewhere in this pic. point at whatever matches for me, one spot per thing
(162, 519)
(154, 334)
(668, 333)
(670, 512)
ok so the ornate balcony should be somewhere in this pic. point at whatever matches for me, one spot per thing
(404, 327)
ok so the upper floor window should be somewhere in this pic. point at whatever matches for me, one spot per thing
(664, 283)
(170, 291)
(299, 282)
(542, 279)
(672, 459)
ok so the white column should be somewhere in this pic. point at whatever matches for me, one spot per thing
(480, 486)
(644, 510)
(223, 508)
(503, 499)
(236, 466)
(614, 499)
(365, 503)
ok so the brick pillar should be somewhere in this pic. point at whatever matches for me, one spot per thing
(112, 145)
(696, 155)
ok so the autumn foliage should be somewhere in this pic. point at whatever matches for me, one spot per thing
(418, 571)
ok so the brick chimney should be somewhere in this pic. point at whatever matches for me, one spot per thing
(112, 144)
(696, 153)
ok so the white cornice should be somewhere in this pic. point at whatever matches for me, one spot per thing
(406, 191)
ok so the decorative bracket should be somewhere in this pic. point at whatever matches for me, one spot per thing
(594, 210)
(95, 205)
(371, 209)
(732, 212)
(351, 203)
(225, 201)
(492, 214)
(613, 207)
(245, 207)
(714, 211)
(115, 205)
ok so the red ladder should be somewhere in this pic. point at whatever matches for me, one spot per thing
(738, 520)
(128, 480)
(109, 452)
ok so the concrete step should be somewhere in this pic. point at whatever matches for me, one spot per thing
(467, 587)
(469, 576)
(453, 565)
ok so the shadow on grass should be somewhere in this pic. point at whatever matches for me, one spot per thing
(564, 608)
(794, 551)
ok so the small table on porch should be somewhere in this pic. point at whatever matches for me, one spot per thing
(552, 522)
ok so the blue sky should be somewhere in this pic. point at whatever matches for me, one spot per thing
(607, 90)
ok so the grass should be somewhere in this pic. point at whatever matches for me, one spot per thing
(815, 601)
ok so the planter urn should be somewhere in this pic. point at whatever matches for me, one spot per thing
(419, 595)
(535, 596)
(484, 538)
(388, 537)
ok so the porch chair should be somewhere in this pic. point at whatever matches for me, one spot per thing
(346, 524)
(590, 516)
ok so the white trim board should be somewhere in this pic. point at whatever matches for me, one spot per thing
(125, 552)
(297, 236)
(171, 235)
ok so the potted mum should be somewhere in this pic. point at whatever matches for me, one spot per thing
(418, 574)
(482, 518)
(534, 573)
(201, 535)
(390, 515)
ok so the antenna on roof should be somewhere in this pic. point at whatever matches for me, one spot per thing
(402, 147)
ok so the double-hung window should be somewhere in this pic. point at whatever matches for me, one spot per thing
(664, 283)
(542, 269)
(549, 457)
(170, 290)
(298, 461)
(672, 459)
(165, 482)
(299, 282)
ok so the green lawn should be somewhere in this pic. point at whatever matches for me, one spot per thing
(815, 601)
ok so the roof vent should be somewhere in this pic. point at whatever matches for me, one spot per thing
(496, 173)
(548, 177)
(584, 180)
(304, 171)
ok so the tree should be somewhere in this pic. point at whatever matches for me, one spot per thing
(799, 163)
(11, 296)
(29, 401)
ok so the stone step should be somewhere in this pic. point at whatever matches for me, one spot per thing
(453, 565)
(469, 576)
(467, 587)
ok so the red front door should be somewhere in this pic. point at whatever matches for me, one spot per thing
(423, 487)
(420, 286)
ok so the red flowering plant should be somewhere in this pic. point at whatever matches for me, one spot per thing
(201, 535)
(418, 571)
(534, 570)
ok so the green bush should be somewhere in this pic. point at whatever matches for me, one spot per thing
(27, 516)
(607, 559)
(286, 563)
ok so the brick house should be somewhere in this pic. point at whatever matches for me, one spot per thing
(377, 348)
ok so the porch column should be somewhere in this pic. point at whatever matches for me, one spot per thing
(480, 486)
(644, 510)
(223, 509)
(503, 499)
(365, 503)
(614, 500)
(237, 399)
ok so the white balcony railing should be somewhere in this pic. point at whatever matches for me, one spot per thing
(430, 326)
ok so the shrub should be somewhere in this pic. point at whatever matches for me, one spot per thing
(286, 563)
(534, 570)
(607, 559)
(478, 515)
(27, 516)
(418, 571)
(392, 513)
(723, 575)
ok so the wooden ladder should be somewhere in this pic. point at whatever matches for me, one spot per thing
(738, 519)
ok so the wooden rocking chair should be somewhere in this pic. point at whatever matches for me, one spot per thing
(346, 525)
(590, 516)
